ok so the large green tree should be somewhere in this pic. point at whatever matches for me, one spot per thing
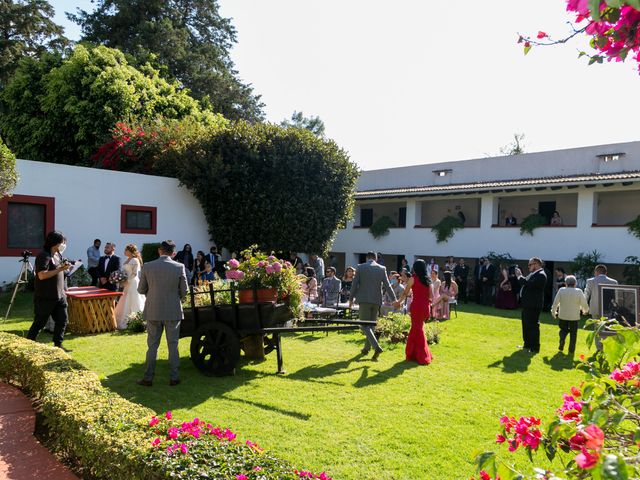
(188, 38)
(60, 111)
(314, 124)
(26, 30)
(8, 173)
(282, 189)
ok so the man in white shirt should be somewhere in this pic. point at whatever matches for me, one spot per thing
(93, 257)
(567, 306)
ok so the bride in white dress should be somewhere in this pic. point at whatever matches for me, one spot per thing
(130, 301)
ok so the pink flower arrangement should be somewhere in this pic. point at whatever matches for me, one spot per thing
(525, 432)
(571, 409)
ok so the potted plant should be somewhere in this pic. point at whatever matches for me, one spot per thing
(446, 228)
(265, 277)
(531, 222)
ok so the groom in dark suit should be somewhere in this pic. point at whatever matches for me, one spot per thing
(532, 302)
(108, 264)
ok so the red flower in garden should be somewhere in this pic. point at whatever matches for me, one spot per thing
(587, 460)
(594, 437)
(541, 35)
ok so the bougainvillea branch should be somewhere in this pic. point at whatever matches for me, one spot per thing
(613, 25)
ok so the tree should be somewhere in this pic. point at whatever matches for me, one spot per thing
(613, 26)
(281, 189)
(60, 111)
(516, 147)
(26, 30)
(187, 39)
(314, 124)
(8, 174)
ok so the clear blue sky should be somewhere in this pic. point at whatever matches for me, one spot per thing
(410, 82)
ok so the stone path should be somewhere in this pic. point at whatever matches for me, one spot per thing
(22, 457)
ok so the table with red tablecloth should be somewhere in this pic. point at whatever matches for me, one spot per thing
(91, 309)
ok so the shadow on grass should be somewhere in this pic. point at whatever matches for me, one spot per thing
(367, 379)
(518, 361)
(560, 362)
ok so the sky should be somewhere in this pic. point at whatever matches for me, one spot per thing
(412, 82)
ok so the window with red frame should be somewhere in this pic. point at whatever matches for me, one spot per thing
(138, 219)
(24, 223)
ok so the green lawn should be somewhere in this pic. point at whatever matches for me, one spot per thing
(337, 411)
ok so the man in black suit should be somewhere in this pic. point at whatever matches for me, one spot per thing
(108, 264)
(532, 302)
(488, 282)
(477, 280)
(461, 273)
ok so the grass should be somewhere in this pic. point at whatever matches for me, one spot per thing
(337, 411)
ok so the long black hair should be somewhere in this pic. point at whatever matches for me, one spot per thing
(420, 270)
(52, 239)
(447, 279)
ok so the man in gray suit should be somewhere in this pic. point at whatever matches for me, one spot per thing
(164, 282)
(366, 288)
(592, 292)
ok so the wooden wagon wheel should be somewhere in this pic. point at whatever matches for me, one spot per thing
(269, 345)
(215, 349)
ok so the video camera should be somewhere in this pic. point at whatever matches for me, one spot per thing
(25, 255)
(512, 270)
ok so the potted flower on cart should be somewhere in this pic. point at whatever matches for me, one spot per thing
(265, 278)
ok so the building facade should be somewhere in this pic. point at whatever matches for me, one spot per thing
(595, 190)
(87, 203)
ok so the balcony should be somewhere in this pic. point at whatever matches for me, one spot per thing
(522, 206)
(369, 213)
(432, 211)
(615, 209)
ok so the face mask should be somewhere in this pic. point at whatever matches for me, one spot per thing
(62, 248)
(394, 282)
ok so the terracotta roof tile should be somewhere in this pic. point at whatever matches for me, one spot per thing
(500, 184)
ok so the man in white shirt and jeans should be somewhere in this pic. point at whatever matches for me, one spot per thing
(93, 258)
(567, 306)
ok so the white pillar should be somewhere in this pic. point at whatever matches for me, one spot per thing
(587, 209)
(488, 207)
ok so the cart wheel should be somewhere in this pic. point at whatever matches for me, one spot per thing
(215, 349)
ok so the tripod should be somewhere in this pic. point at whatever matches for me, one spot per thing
(23, 278)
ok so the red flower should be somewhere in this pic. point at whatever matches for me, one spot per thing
(541, 35)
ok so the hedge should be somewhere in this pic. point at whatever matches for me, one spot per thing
(109, 437)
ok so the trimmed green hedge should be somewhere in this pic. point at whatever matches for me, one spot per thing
(109, 437)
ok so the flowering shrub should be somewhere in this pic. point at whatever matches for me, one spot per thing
(107, 437)
(186, 445)
(612, 24)
(259, 270)
(395, 327)
(596, 430)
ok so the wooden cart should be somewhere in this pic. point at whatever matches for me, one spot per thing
(218, 330)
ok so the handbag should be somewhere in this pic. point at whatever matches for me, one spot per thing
(506, 287)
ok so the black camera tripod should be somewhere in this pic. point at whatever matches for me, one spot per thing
(23, 279)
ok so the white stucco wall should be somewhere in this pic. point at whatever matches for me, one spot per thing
(88, 204)
(560, 244)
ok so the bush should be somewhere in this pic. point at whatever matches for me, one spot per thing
(8, 173)
(381, 227)
(281, 189)
(395, 328)
(136, 323)
(150, 251)
(109, 437)
(597, 427)
(531, 222)
(446, 228)
(80, 278)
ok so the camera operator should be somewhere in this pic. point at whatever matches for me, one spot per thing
(49, 298)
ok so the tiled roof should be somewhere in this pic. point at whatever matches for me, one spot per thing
(590, 179)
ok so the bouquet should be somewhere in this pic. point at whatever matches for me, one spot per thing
(117, 277)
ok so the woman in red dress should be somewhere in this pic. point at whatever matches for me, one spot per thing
(419, 283)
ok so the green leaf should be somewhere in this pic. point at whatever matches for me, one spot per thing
(614, 3)
(613, 349)
(526, 49)
(486, 460)
(617, 418)
(594, 8)
(614, 468)
(634, 3)
(505, 472)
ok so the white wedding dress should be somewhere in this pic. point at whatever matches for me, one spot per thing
(130, 301)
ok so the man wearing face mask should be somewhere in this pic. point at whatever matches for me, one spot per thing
(49, 298)
(107, 265)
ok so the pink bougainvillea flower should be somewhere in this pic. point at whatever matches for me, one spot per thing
(577, 442)
(594, 437)
(500, 438)
(173, 433)
(183, 448)
(484, 475)
(242, 476)
(257, 468)
(156, 441)
(586, 460)
(168, 415)
(233, 263)
(541, 35)
(154, 421)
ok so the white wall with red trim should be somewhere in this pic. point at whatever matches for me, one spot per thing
(88, 204)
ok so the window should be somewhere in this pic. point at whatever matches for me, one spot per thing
(610, 157)
(402, 217)
(442, 173)
(138, 219)
(366, 217)
(24, 223)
